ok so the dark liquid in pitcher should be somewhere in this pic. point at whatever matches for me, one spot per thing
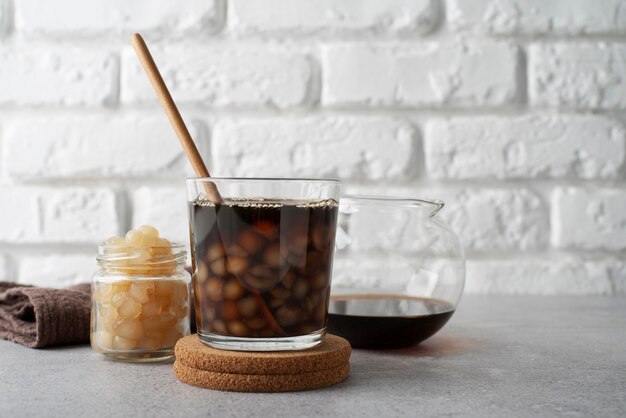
(262, 268)
(386, 321)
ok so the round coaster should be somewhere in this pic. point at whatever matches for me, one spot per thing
(258, 382)
(333, 352)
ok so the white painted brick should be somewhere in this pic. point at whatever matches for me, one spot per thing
(165, 208)
(86, 146)
(229, 76)
(4, 17)
(486, 220)
(57, 270)
(32, 75)
(6, 269)
(63, 215)
(544, 276)
(343, 147)
(617, 274)
(95, 17)
(585, 75)
(589, 219)
(538, 16)
(524, 147)
(428, 74)
(332, 16)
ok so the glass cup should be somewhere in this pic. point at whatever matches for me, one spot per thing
(262, 261)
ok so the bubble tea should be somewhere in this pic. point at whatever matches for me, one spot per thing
(262, 271)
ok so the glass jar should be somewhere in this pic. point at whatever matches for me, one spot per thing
(399, 271)
(140, 302)
(262, 261)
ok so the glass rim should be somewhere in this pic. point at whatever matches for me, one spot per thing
(264, 179)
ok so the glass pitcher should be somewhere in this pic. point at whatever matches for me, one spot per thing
(398, 274)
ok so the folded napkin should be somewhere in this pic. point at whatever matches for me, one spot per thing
(40, 317)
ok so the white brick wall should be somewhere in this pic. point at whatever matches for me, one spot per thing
(510, 111)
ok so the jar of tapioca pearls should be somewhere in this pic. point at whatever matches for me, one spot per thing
(140, 297)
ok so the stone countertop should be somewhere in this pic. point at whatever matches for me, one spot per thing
(498, 356)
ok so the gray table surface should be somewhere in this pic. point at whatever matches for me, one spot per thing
(498, 356)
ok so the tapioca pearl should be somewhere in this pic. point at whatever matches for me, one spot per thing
(288, 280)
(280, 293)
(300, 288)
(118, 298)
(237, 265)
(164, 287)
(238, 328)
(117, 241)
(247, 306)
(267, 229)
(208, 312)
(149, 231)
(130, 309)
(214, 289)
(297, 243)
(233, 289)
(180, 294)
(141, 292)
(121, 286)
(219, 327)
(163, 302)
(150, 343)
(319, 280)
(250, 241)
(103, 292)
(296, 260)
(255, 323)
(214, 252)
(218, 266)
(121, 343)
(321, 237)
(272, 255)
(151, 309)
(288, 316)
(134, 237)
(275, 303)
(236, 251)
(106, 314)
(202, 272)
(131, 329)
(229, 310)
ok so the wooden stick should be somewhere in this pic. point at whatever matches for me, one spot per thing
(150, 67)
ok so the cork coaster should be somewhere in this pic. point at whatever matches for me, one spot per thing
(246, 371)
(233, 382)
(333, 352)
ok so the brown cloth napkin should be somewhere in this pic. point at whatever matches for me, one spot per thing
(40, 317)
